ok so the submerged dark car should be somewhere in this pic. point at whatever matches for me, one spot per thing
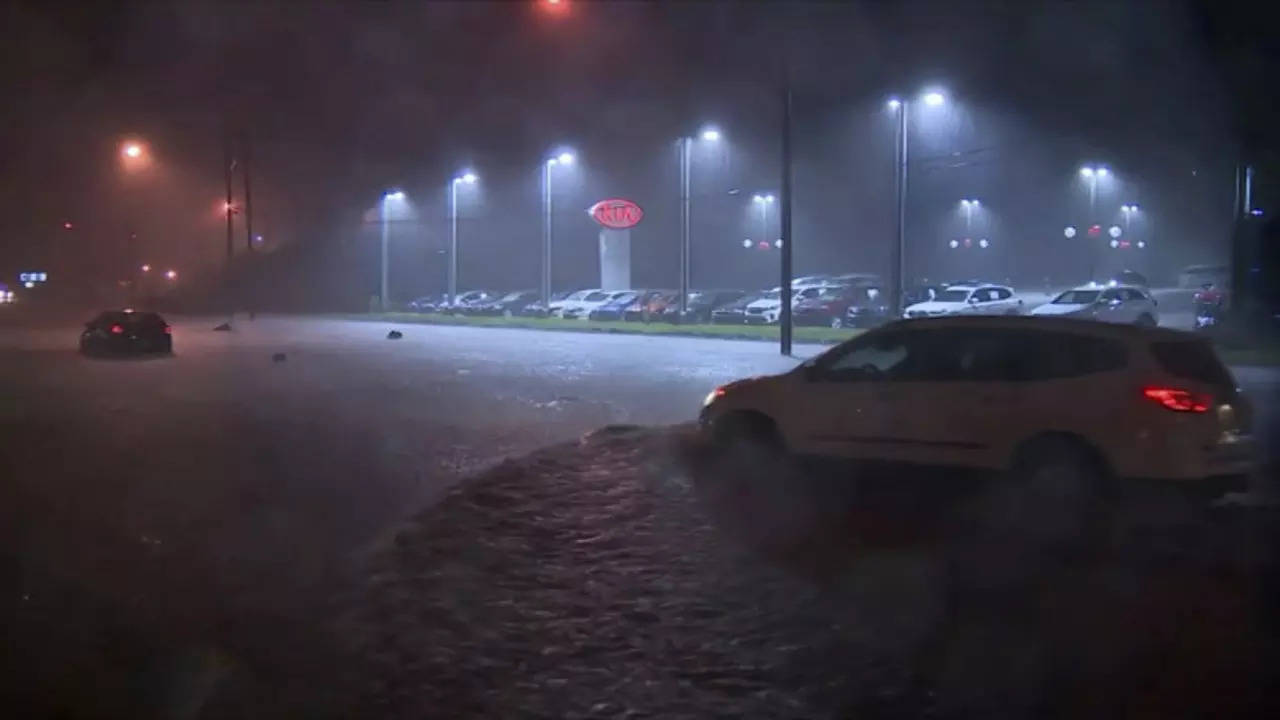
(125, 332)
(700, 305)
(734, 313)
(507, 305)
(537, 308)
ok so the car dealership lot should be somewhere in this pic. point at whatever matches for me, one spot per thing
(213, 498)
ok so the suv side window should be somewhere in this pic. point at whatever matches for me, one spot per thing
(1002, 293)
(1005, 355)
(1055, 355)
(878, 356)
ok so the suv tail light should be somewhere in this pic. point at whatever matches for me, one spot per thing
(117, 329)
(1178, 400)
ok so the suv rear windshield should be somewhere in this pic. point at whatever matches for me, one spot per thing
(1193, 360)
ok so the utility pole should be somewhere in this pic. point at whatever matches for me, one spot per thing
(248, 198)
(784, 317)
(228, 164)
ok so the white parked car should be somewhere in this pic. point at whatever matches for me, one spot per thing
(466, 299)
(1112, 303)
(968, 300)
(557, 307)
(1055, 400)
(768, 308)
(582, 308)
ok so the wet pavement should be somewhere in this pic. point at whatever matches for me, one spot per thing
(177, 535)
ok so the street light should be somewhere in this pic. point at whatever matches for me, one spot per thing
(763, 202)
(564, 158)
(708, 134)
(146, 268)
(1092, 175)
(468, 178)
(969, 206)
(1127, 211)
(746, 243)
(388, 197)
(132, 150)
(171, 274)
(931, 98)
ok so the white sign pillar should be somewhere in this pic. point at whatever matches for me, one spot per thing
(615, 259)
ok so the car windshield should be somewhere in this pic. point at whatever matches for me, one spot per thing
(596, 297)
(1077, 297)
(512, 297)
(579, 295)
(623, 297)
(952, 295)
(771, 295)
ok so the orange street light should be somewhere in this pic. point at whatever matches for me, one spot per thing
(146, 268)
(171, 274)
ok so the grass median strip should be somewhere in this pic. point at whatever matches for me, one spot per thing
(1266, 355)
(735, 332)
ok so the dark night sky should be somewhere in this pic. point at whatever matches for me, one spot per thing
(345, 99)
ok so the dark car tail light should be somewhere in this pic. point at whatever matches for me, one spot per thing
(168, 330)
(1178, 400)
(117, 329)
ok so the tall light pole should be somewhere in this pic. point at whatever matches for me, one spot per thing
(563, 159)
(969, 206)
(763, 202)
(470, 179)
(1127, 211)
(897, 270)
(708, 134)
(387, 199)
(1091, 176)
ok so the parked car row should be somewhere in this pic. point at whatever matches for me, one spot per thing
(854, 300)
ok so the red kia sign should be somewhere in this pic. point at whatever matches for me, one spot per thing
(616, 213)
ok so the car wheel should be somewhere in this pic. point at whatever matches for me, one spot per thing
(1055, 494)
(1145, 320)
(746, 431)
(837, 323)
